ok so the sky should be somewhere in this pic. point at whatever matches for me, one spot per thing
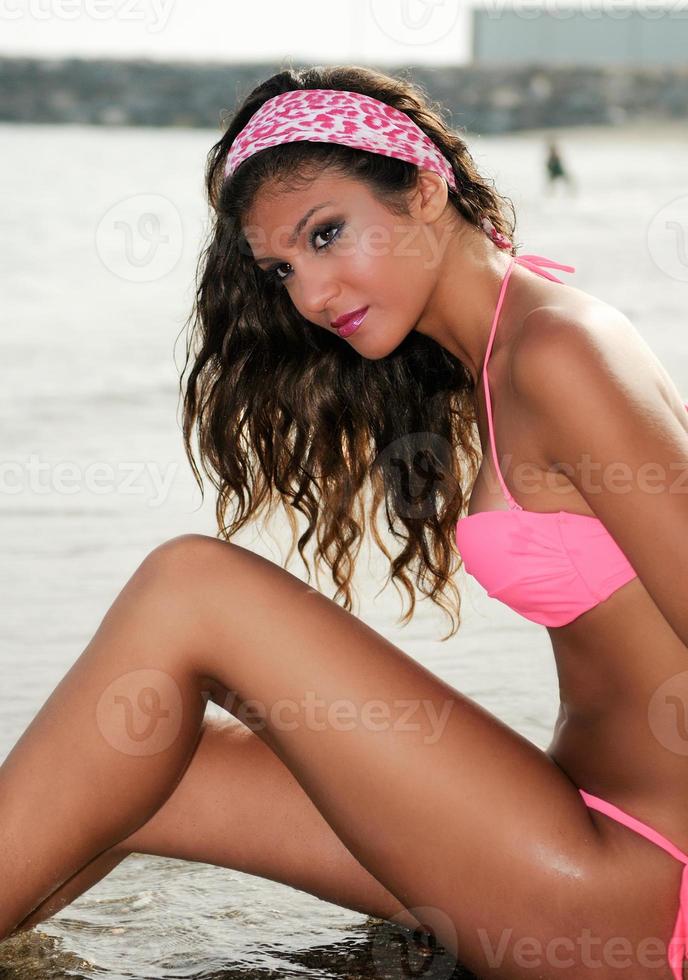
(365, 31)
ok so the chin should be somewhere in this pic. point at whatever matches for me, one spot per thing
(375, 350)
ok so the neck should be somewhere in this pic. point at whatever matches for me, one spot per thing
(461, 309)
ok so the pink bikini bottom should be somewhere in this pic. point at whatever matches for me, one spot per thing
(678, 944)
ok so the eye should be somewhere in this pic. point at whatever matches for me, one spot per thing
(320, 230)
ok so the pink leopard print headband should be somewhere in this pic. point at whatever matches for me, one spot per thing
(334, 116)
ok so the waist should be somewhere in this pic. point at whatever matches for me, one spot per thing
(622, 728)
(617, 759)
(627, 621)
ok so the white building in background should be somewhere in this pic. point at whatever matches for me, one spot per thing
(504, 33)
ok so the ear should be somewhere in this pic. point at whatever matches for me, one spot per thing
(430, 197)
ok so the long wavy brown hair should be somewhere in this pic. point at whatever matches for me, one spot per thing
(284, 411)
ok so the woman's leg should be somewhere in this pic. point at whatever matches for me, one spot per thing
(238, 806)
(106, 749)
(468, 824)
(86, 878)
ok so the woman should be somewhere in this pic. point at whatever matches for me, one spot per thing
(341, 191)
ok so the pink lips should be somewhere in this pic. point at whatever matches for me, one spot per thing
(352, 323)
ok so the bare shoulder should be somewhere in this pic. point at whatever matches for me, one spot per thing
(551, 336)
(576, 347)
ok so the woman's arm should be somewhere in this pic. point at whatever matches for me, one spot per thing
(602, 420)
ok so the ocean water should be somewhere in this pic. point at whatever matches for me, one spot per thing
(102, 228)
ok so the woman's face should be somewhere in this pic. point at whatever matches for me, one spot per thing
(350, 253)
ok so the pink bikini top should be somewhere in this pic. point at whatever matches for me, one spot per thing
(549, 567)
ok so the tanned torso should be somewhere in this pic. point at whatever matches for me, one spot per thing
(611, 659)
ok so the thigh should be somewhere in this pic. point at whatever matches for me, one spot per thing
(468, 824)
(238, 806)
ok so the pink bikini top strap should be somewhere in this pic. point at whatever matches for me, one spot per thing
(486, 384)
(611, 810)
(535, 263)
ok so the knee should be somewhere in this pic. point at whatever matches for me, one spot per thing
(180, 579)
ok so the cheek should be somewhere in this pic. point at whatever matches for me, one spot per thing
(370, 254)
(407, 260)
(385, 266)
(388, 268)
(403, 278)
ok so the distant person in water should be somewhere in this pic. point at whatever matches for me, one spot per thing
(556, 170)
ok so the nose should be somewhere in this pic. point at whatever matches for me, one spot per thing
(317, 296)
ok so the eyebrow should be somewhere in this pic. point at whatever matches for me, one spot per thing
(298, 228)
